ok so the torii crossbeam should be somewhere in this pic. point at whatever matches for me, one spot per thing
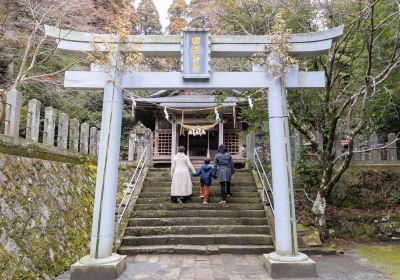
(198, 47)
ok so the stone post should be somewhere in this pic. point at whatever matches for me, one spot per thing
(49, 126)
(62, 137)
(320, 141)
(250, 147)
(74, 135)
(357, 147)
(338, 145)
(392, 148)
(33, 120)
(131, 147)
(297, 146)
(374, 155)
(84, 139)
(93, 141)
(13, 113)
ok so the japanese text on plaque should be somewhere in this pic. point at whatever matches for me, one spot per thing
(196, 40)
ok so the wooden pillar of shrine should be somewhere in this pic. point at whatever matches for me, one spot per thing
(220, 133)
(156, 136)
(173, 137)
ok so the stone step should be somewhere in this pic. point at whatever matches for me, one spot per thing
(195, 221)
(213, 193)
(206, 213)
(200, 206)
(248, 176)
(168, 170)
(198, 239)
(164, 179)
(195, 229)
(165, 186)
(212, 199)
(197, 249)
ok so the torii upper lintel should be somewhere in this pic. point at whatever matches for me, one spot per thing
(302, 44)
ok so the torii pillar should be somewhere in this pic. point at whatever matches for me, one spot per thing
(286, 261)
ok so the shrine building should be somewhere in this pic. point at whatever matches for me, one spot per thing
(193, 119)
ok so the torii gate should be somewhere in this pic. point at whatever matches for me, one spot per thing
(196, 47)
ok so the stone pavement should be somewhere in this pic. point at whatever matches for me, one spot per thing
(236, 267)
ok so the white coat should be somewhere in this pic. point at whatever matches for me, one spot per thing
(181, 178)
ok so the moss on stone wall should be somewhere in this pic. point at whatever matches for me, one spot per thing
(368, 188)
(45, 216)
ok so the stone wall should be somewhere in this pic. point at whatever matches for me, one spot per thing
(364, 226)
(45, 215)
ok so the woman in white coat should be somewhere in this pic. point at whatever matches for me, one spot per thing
(181, 168)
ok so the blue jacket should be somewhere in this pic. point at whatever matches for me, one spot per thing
(205, 173)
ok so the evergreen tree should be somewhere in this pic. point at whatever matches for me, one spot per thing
(200, 12)
(149, 19)
(177, 14)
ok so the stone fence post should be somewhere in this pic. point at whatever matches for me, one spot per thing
(13, 113)
(374, 155)
(392, 148)
(62, 137)
(74, 135)
(33, 120)
(93, 141)
(131, 147)
(297, 140)
(250, 146)
(84, 139)
(338, 145)
(49, 126)
(357, 147)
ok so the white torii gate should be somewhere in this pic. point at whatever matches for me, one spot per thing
(286, 261)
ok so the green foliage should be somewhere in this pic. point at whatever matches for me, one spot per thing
(306, 175)
(199, 13)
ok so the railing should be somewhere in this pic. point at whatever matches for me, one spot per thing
(258, 165)
(123, 205)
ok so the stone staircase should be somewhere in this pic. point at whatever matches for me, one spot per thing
(157, 226)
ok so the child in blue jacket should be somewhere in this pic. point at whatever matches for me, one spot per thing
(205, 173)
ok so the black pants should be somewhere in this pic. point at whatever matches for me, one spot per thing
(225, 189)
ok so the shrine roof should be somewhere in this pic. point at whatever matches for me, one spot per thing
(174, 93)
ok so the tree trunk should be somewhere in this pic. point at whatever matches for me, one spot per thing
(319, 210)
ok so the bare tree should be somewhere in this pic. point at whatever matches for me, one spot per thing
(356, 68)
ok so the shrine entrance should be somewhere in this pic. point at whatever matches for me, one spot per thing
(200, 146)
(196, 48)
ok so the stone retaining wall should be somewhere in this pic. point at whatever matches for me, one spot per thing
(365, 226)
(45, 214)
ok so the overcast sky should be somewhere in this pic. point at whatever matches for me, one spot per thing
(162, 7)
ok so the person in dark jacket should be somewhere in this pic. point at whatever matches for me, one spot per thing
(205, 172)
(223, 165)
